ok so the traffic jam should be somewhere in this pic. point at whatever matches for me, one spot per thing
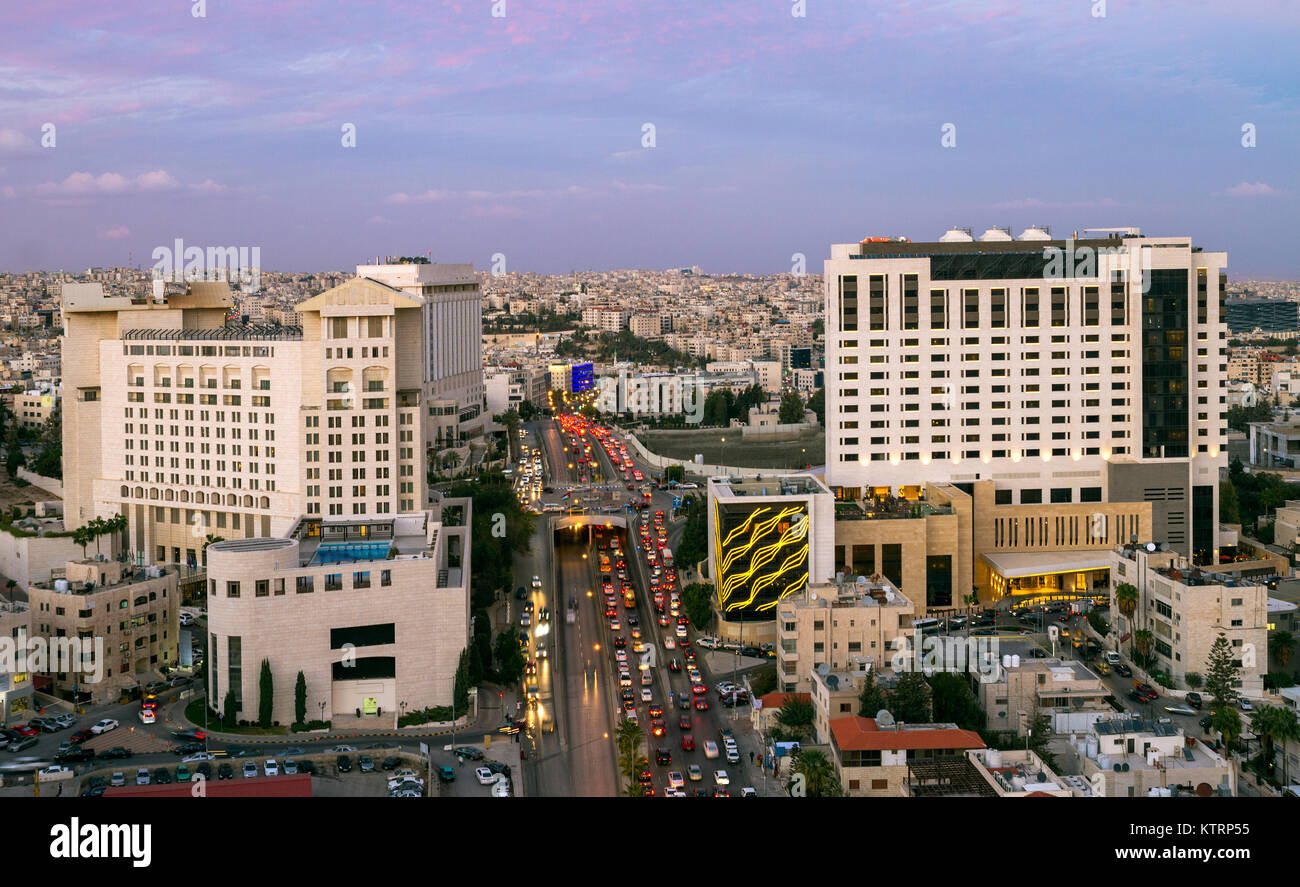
(636, 653)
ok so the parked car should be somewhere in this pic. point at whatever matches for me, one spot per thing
(104, 726)
(272, 767)
(1194, 700)
(116, 751)
(485, 776)
(344, 764)
(446, 774)
(182, 773)
(1244, 704)
(250, 769)
(162, 776)
(365, 764)
(23, 744)
(1123, 671)
(204, 769)
(225, 771)
(118, 778)
(142, 776)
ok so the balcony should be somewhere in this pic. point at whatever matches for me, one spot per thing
(888, 509)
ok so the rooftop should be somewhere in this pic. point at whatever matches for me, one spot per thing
(864, 734)
(234, 332)
(777, 485)
(875, 591)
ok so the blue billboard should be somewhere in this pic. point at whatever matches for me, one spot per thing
(582, 377)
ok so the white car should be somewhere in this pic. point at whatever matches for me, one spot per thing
(720, 777)
(485, 776)
(501, 788)
(537, 582)
(104, 726)
(670, 644)
(671, 792)
(675, 780)
(710, 749)
(411, 781)
(53, 770)
(406, 773)
(1244, 704)
(647, 695)
(272, 767)
(342, 749)
(198, 757)
(142, 776)
(681, 631)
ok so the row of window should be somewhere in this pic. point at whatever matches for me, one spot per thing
(361, 579)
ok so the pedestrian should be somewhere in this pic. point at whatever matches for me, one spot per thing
(60, 794)
(751, 757)
(461, 758)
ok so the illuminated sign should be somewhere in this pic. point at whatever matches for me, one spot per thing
(761, 552)
(582, 377)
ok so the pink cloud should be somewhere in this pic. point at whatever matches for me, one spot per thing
(117, 232)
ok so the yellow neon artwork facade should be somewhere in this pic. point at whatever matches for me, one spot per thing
(762, 554)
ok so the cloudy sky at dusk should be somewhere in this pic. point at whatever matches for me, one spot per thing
(522, 135)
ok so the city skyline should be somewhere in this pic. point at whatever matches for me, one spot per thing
(522, 135)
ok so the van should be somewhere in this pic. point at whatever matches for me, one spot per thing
(1112, 658)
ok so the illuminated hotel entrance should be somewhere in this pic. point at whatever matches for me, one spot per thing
(1031, 578)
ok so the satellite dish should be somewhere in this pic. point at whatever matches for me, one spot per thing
(1151, 546)
(823, 669)
(884, 718)
(813, 595)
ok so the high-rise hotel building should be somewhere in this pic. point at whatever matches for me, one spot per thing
(309, 438)
(1035, 372)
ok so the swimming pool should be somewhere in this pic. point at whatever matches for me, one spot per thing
(346, 552)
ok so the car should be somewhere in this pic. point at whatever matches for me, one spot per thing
(1206, 722)
(1135, 696)
(676, 780)
(342, 749)
(142, 776)
(721, 792)
(620, 642)
(656, 710)
(183, 773)
(162, 776)
(272, 767)
(537, 582)
(749, 792)
(365, 764)
(710, 749)
(614, 624)
(1194, 700)
(75, 755)
(118, 778)
(684, 702)
(65, 720)
(391, 763)
(1180, 709)
(701, 704)
(22, 744)
(410, 781)
(26, 730)
(225, 771)
(485, 776)
(116, 751)
(1146, 691)
(699, 689)
(688, 742)
(733, 755)
(199, 756)
(1123, 670)
(155, 686)
(189, 748)
(250, 768)
(189, 735)
(670, 644)
(53, 770)
(1244, 704)
(104, 726)
(663, 757)
(674, 665)
(1102, 668)
(720, 777)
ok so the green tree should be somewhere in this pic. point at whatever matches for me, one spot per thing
(717, 408)
(1229, 510)
(1220, 672)
(230, 711)
(1282, 645)
(300, 699)
(1143, 641)
(911, 700)
(1040, 734)
(796, 715)
(955, 702)
(266, 697)
(817, 403)
(762, 680)
(697, 601)
(460, 689)
(818, 776)
(791, 410)
(1273, 724)
(510, 658)
(1193, 680)
(627, 739)
(675, 473)
(872, 699)
(1227, 723)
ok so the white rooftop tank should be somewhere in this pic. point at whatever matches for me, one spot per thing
(956, 235)
(996, 234)
(1034, 232)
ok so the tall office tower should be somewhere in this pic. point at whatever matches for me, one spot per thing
(1062, 371)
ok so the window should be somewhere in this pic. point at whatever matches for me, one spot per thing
(1062, 494)
(1001, 497)
(1031, 497)
(232, 589)
(263, 588)
(1090, 494)
(849, 303)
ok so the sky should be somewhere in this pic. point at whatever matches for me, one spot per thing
(615, 134)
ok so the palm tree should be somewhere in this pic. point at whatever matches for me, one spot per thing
(627, 737)
(452, 459)
(1228, 724)
(1143, 641)
(96, 527)
(1282, 643)
(81, 536)
(1126, 598)
(208, 540)
(1272, 723)
(819, 779)
(117, 524)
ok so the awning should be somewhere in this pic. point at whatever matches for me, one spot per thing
(1016, 564)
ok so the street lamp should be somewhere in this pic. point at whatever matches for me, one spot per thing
(322, 710)
(724, 455)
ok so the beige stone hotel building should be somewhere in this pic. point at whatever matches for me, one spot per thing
(197, 428)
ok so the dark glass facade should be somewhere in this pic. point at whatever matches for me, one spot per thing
(1164, 365)
(938, 580)
(1203, 524)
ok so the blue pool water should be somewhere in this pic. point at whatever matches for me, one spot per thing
(346, 552)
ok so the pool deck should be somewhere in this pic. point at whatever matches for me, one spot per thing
(405, 545)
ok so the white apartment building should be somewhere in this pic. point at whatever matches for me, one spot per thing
(1033, 362)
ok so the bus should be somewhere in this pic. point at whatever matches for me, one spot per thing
(927, 626)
